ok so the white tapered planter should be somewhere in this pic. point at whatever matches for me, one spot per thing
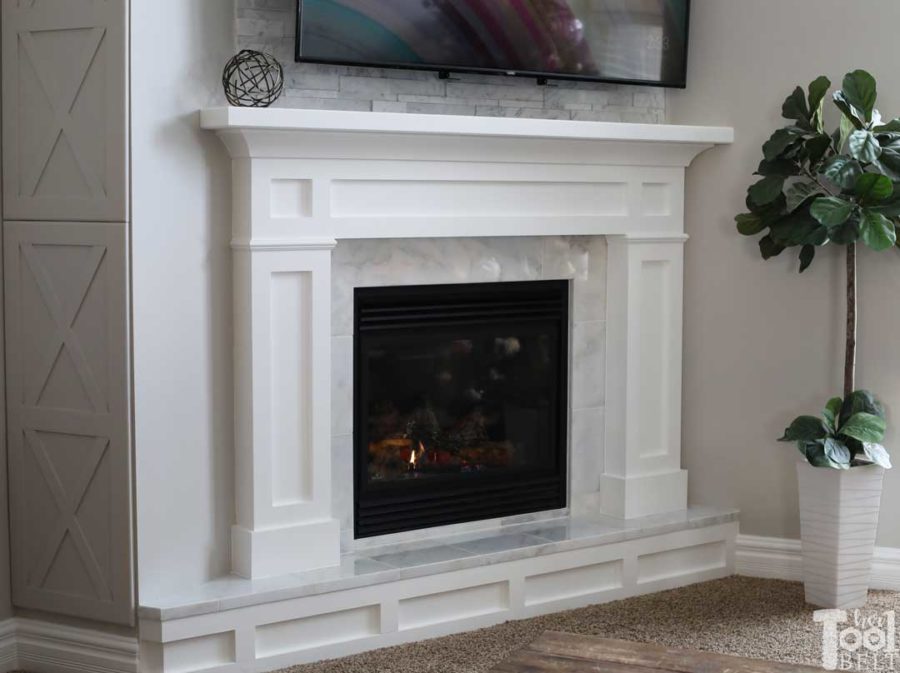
(839, 522)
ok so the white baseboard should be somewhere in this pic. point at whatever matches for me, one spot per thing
(9, 660)
(779, 558)
(44, 647)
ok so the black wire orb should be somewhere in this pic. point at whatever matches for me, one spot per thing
(253, 79)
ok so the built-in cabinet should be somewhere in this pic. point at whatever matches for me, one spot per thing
(65, 273)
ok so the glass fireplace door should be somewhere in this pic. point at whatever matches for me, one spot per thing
(460, 403)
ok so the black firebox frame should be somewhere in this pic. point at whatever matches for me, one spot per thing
(384, 508)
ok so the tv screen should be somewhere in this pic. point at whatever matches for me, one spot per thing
(627, 41)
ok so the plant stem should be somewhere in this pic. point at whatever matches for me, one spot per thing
(850, 350)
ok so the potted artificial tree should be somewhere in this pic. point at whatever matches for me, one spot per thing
(816, 189)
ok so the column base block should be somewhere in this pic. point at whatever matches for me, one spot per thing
(281, 551)
(632, 497)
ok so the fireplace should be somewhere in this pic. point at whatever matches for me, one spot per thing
(460, 403)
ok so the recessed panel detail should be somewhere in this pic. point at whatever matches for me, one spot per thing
(440, 198)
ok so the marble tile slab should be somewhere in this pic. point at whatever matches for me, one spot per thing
(423, 556)
(496, 543)
(429, 557)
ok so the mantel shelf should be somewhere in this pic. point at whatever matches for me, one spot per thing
(281, 119)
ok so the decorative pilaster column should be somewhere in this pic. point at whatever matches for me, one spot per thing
(282, 317)
(642, 470)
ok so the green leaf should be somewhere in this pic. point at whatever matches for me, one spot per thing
(807, 253)
(815, 454)
(837, 452)
(775, 146)
(891, 207)
(771, 211)
(860, 91)
(768, 248)
(804, 429)
(749, 224)
(890, 152)
(892, 126)
(831, 210)
(798, 228)
(846, 233)
(864, 426)
(799, 192)
(832, 409)
(872, 187)
(766, 190)
(784, 167)
(876, 454)
(842, 171)
(818, 88)
(863, 145)
(877, 231)
(816, 148)
(851, 116)
(795, 107)
(860, 400)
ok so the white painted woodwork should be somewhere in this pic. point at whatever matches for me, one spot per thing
(304, 179)
(838, 523)
(643, 376)
(782, 559)
(283, 411)
(285, 632)
(65, 110)
(50, 647)
(67, 410)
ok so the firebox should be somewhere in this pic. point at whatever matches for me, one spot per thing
(460, 403)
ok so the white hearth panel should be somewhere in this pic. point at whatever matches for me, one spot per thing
(304, 180)
(406, 593)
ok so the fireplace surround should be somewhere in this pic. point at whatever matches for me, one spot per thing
(326, 202)
(305, 180)
(460, 403)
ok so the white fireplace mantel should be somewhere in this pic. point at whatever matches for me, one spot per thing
(305, 179)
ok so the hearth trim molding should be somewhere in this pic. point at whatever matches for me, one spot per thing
(48, 647)
(303, 179)
(290, 631)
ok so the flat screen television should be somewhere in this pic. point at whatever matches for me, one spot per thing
(621, 41)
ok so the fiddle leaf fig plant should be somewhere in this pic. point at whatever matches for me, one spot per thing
(848, 434)
(817, 188)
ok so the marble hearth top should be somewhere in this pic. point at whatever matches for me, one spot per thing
(438, 555)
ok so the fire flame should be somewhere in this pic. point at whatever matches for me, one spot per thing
(415, 454)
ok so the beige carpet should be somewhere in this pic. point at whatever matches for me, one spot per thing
(764, 619)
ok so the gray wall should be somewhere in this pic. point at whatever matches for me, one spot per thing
(762, 343)
(268, 25)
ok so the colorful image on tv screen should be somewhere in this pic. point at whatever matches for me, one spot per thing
(634, 40)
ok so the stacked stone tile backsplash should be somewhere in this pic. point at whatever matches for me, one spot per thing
(269, 25)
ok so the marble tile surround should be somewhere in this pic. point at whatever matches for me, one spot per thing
(381, 262)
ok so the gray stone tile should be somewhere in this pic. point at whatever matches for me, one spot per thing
(587, 449)
(589, 376)
(424, 556)
(490, 544)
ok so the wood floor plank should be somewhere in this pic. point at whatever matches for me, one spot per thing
(556, 652)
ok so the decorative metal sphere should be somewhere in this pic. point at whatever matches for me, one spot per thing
(253, 79)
